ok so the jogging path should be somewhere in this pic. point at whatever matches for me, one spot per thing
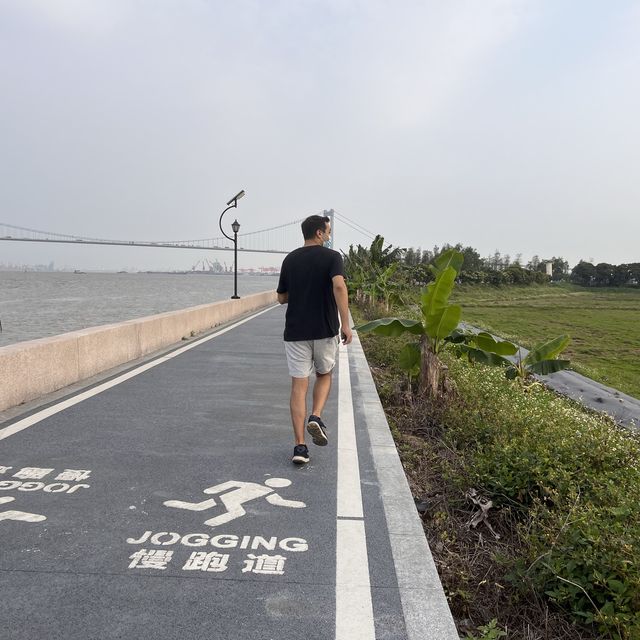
(161, 503)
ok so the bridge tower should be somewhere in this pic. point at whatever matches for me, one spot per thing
(330, 213)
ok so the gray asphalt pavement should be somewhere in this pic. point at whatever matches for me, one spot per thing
(161, 503)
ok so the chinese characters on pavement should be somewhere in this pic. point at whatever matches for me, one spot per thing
(237, 554)
(231, 495)
(214, 561)
(38, 479)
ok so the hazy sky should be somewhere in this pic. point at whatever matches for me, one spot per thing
(509, 125)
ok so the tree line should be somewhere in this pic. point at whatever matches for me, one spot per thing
(393, 265)
(603, 274)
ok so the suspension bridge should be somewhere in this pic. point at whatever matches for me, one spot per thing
(282, 238)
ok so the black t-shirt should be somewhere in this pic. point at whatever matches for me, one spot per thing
(306, 275)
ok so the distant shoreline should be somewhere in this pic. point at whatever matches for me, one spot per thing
(179, 273)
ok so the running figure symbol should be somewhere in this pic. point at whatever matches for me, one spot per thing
(234, 494)
(19, 515)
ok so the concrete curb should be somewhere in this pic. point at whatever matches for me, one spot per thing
(34, 368)
(424, 604)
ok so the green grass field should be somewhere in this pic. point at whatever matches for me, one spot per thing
(604, 324)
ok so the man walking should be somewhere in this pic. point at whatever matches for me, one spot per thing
(312, 284)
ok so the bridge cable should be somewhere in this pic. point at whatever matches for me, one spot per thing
(357, 224)
(359, 230)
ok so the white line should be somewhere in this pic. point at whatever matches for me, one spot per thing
(65, 404)
(349, 493)
(354, 608)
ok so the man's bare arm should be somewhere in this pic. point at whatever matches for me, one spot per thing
(341, 295)
(283, 298)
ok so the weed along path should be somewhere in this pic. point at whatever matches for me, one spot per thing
(161, 503)
(602, 322)
(621, 407)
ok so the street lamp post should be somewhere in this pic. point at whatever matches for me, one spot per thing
(236, 227)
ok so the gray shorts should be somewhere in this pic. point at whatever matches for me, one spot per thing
(306, 356)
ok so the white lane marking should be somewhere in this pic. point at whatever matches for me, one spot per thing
(70, 402)
(349, 493)
(354, 608)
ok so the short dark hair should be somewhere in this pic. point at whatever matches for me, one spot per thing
(313, 224)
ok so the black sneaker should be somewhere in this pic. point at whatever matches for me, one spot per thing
(300, 454)
(316, 428)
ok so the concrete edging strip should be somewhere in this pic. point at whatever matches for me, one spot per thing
(31, 369)
(424, 604)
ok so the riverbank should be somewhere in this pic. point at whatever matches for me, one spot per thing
(38, 305)
(34, 368)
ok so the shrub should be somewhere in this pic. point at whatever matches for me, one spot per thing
(573, 476)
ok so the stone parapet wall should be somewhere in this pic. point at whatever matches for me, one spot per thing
(34, 368)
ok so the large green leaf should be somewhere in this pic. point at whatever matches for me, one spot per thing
(486, 342)
(436, 295)
(409, 358)
(390, 270)
(485, 357)
(440, 324)
(547, 351)
(459, 337)
(545, 367)
(392, 327)
(449, 258)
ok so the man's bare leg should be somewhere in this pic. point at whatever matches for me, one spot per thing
(321, 389)
(298, 406)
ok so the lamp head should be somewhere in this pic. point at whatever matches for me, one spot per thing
(235, 226)
(236, 197)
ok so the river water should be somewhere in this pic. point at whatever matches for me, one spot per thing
(37, 305)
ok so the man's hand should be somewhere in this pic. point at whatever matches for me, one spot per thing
(283, 298)
(341, 295)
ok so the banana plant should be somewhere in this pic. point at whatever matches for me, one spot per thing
(484, 348)
(386, 289)
(409, 361)
(365, 266)
(437, 322)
